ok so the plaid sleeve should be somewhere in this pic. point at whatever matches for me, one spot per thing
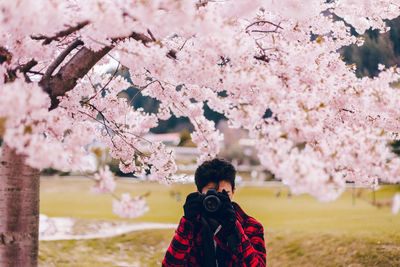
(251, 249)
(180, 245)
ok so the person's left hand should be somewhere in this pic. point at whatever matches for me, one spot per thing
(227, 215)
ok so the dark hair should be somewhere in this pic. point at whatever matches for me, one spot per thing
(215, 170)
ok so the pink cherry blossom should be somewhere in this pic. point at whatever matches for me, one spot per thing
(241, 58)
(128, 207)
(105, 182)
(396, 203)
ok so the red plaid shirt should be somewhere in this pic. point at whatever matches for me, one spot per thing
(186, 246)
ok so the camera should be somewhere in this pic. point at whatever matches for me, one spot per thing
(211, 201)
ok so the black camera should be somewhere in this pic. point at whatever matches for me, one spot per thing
(211, 201)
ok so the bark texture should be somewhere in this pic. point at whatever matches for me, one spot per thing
(66, 78)
(19, 210)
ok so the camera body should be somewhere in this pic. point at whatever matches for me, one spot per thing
(211, 201)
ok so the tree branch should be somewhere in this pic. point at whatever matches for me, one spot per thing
(48, 40)
(60, 59)
(141, 37)
(201, 3)
(12, 73)
(5, 55)
(74, 69)
(77, 67)
(28, 66)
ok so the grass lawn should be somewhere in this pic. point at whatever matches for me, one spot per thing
(299, 231)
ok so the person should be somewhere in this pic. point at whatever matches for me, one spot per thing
(225, 237)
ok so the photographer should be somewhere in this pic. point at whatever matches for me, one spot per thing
(215, 231)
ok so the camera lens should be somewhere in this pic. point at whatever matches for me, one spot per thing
(211, 202)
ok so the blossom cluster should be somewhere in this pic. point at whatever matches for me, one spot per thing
(128, 207)
(105, 182)
(241, 58)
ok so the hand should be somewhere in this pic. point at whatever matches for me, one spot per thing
(193, 206)
(227, 215)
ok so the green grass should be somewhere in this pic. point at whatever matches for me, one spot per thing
(284, 248)
(304, 213)
(67, 197)
(72, 197)
(143, 248)
(299, 231)
(293, 248)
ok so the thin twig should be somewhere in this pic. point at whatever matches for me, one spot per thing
(91, 82)
(140, 90)
(351, 111)
(123, 138)
(35, 72)
(104, 87)
(262, 31)
(103, 123)
(263, 56)
(263, 22)
(151, 35)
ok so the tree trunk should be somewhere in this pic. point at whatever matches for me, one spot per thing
(19, 210)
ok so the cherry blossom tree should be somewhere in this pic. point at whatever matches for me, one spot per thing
(240, 57)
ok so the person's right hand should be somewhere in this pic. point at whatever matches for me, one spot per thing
(193, 206)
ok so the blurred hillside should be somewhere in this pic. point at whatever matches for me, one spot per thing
(378, 48)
